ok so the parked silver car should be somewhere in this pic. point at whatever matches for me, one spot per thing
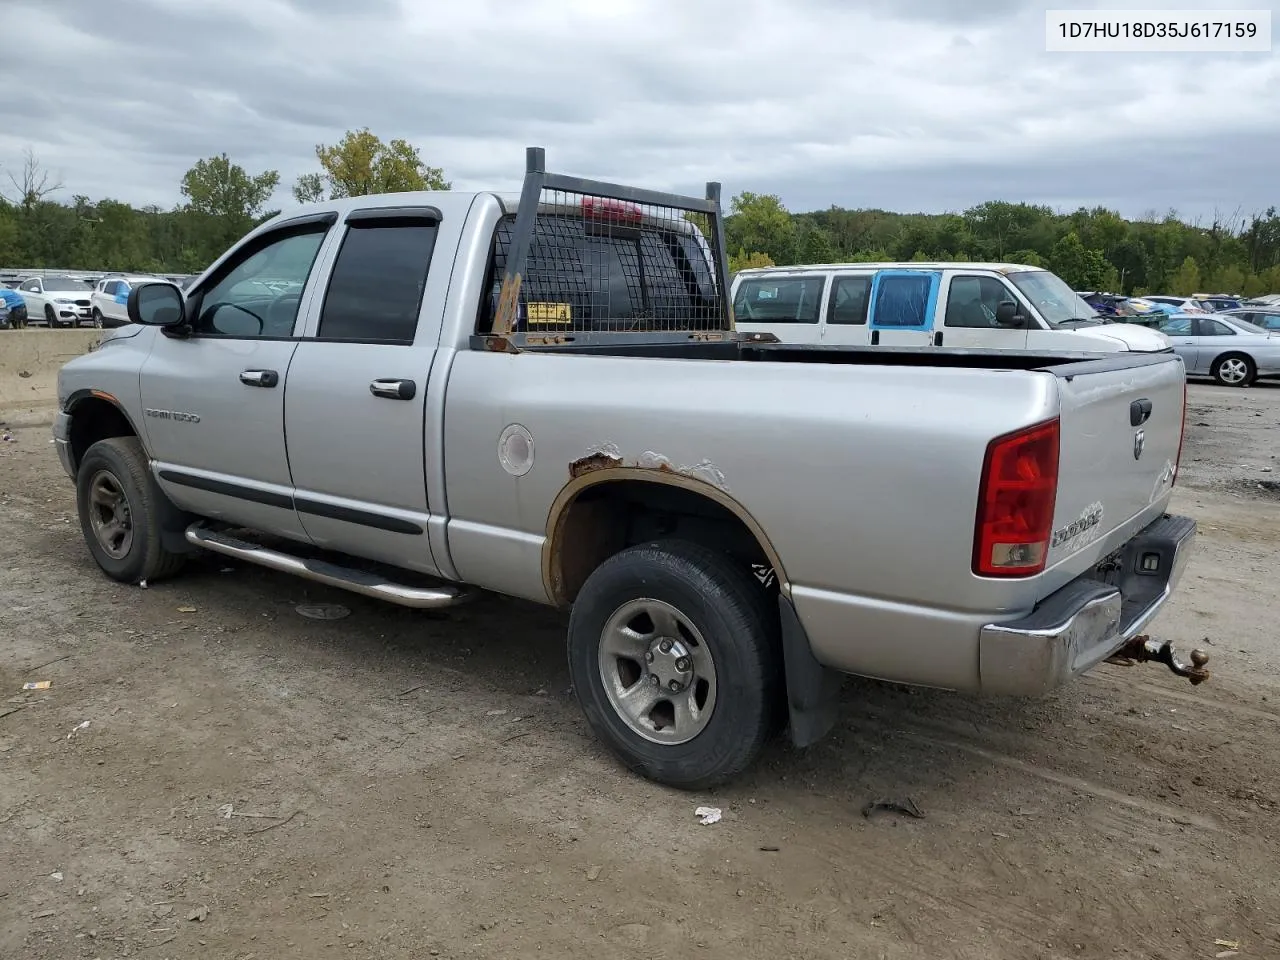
(1232, 350)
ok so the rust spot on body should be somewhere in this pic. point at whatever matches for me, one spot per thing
(593, 462)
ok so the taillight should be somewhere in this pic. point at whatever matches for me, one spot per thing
(1182, 433)
(1016, 500)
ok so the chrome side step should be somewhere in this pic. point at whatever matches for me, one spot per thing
(320, 571)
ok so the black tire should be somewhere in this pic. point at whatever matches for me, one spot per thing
(1226, 370)
(719, 597)
(50, 317)
(97, 317)
(123, 460)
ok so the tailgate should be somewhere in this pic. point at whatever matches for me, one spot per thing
(1121, 430)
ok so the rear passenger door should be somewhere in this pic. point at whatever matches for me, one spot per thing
(902, 307)
(356, 389)
(847, 303)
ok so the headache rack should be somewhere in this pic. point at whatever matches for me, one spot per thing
(589, 263)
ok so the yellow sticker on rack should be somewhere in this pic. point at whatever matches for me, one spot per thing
(550, 313)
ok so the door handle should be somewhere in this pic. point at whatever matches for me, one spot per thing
(394, 389)
(259, 378)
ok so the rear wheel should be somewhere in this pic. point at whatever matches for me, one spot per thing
(1234, 370)
(120, 509)
(676, 662)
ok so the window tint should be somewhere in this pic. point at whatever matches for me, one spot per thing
(1216, 328)
(849, 299)
(594, 280)
(376, 287)
(779, 299)
(972, 301)
(31, 286)
(111, 287)
(259, 295)
(902, 300)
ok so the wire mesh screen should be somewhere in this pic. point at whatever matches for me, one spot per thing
(596, 264)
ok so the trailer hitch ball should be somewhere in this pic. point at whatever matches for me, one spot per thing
(1143, 648)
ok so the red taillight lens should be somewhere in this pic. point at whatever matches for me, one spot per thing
(611, 211)
(1182, 434)
(1016, 500)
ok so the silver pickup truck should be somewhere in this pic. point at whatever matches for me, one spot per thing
(421, 396)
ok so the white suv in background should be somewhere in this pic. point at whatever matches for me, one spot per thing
(56, 301)
(110, 299)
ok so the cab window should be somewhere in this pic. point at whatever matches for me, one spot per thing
(972, 301)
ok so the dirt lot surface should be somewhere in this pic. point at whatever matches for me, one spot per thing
(212, 775)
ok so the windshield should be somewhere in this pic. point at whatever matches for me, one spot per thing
(65, 285)
(1057, 302)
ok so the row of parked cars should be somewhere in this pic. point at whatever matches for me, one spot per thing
(1149, 310)
(70, 300)
(983, 306)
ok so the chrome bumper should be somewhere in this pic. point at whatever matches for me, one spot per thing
(1089, 619)
(62, 442)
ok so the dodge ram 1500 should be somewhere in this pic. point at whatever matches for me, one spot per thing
(418, 396)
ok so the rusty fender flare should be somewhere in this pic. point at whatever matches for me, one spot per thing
(599, 469)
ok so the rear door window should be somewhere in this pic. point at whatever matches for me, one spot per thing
(850, 297)
(903, 300)
(375, 289)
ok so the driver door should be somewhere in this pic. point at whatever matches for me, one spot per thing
(214, 399)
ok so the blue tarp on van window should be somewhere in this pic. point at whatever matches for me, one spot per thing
(902, 300)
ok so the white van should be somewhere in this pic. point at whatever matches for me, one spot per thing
(975, 305)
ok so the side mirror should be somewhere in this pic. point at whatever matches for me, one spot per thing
(1007, 314)
(157, 305)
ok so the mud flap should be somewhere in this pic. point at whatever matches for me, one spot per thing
(812, 689)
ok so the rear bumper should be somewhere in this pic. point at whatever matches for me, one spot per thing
(1089, 619)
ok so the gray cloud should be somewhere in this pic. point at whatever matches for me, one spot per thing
(922, 105)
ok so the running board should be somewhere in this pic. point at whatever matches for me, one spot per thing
(320, 571)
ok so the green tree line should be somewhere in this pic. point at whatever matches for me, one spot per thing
(1093, 249)
(221, 202)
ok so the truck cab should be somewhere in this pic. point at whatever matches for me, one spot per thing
(992, 306)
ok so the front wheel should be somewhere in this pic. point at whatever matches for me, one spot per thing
(97, 317)
(1234, 370)
(120, 509)
(675, 659)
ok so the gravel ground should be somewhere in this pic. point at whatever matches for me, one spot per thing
(212, 775)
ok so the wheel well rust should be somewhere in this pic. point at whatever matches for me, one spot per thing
(94, 419)
(606, 508)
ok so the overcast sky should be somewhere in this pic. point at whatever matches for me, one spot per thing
(903, 104)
